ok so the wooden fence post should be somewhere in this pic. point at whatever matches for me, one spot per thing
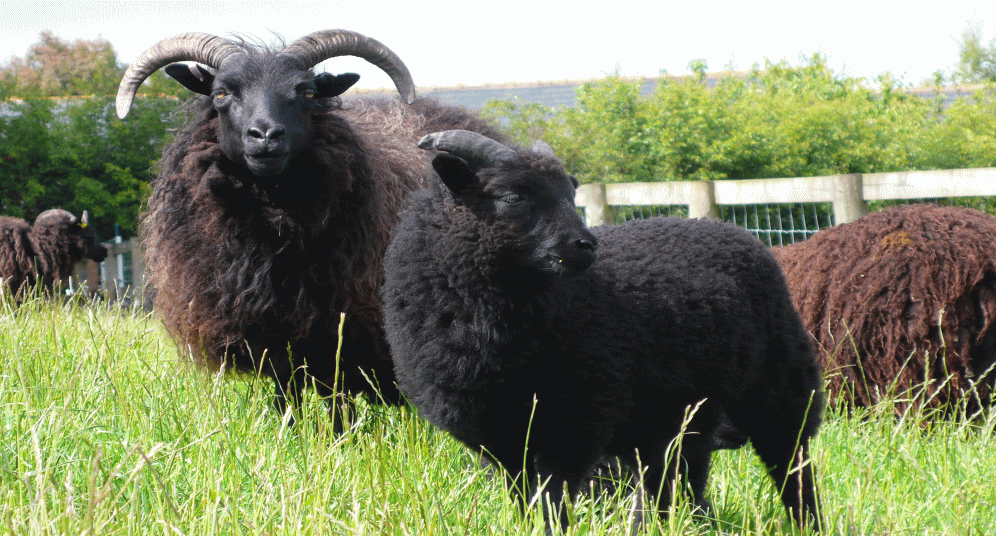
(92, 278)
(848, 200)
(702, 200)
(137, 270)
(596, 207)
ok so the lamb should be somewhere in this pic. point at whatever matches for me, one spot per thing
(506, 330)
(47, 251)
(902, 302)
(272, 209)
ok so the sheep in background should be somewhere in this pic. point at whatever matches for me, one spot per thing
(273, 206)
(47, 251)
(898, 298)
(505, 331)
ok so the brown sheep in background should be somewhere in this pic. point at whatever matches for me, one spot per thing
(47, 251)
(273, 206)
(902, 300)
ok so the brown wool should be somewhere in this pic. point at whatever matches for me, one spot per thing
(897, 301)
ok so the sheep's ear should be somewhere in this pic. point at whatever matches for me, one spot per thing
(330, 85)
(574, 181)
(454, 172)
(191, 76)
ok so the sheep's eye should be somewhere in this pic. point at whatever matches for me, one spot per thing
(220, 94)
(512, 198)
(308, 93)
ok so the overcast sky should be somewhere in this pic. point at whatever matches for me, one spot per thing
(499, 41)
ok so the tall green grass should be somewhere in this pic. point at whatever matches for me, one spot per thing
(104, 430)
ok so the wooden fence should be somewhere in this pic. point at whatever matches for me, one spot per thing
(121, 278)
(849, 195)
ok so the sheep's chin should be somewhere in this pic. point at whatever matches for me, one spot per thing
(566, 267)
(266, 166)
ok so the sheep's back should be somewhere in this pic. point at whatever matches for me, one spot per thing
(708, 289)
(15, 252)
(907, 281)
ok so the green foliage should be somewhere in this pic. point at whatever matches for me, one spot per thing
(976, 60)
(62, 144)
(964, 136)
(75, 154)
(777, 120)
(53, 67)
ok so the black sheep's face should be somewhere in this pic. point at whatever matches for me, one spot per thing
(264, 112)
(264, 103)
(75, 233)
(84, 242)
(529, 214)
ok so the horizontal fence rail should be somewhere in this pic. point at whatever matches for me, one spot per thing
(813, 203)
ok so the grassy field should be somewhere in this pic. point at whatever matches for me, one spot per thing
(104, 430)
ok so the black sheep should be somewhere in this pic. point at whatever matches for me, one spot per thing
(505, 331)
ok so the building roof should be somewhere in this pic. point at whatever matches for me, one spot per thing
(563, 92)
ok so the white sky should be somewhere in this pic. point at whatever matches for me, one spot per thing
(474, 42)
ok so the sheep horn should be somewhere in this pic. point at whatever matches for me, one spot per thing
(208, 49)
(541, 148)
(55, 213)
(478, 150)
(316, 47)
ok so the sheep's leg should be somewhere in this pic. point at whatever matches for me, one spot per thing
(790, 467)
(559, 483)
(342, 409)
(513, 478)
(542, 482)
(780, 435)
(372, 371)
(287, 393)
(687, 472)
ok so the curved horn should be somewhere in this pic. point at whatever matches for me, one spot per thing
(208, 49)
(478, 150)
(54, 213)
(317, 47)
(541, 148)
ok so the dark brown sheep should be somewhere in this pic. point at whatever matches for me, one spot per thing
(47, 251)
(262, 229)
(902, 302)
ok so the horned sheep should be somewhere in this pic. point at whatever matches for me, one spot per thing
(506, 331)
(47, 251)
(272, 207)
(902, 305)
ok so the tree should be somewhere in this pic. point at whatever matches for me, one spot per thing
(25, 166)
(976, 61)
(776, 120)
(53, 67)
(64, 147)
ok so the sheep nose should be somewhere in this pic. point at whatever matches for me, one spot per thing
(267, 134)
(586, 244)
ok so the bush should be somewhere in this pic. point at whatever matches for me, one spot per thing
(775, 121)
